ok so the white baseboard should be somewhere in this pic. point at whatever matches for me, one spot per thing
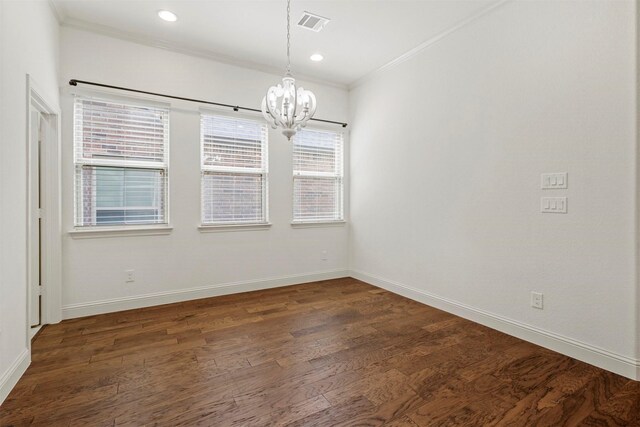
(33, 331)
(139, 301)
(588, 353)
(619, 364)
(10, 378)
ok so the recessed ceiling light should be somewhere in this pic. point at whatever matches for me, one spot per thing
(167, 16)
(316, 57)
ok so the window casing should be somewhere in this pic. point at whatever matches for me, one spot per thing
(121, 163)
(318, 176)
(234, 165)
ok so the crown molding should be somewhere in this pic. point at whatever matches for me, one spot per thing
(108, 31)
(422, 46)
(57, 12)
(105, 30)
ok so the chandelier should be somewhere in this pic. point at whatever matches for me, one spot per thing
(285, 105)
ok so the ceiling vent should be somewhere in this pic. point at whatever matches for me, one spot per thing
(312, 22)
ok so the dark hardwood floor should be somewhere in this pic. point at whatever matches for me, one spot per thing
(333, 353)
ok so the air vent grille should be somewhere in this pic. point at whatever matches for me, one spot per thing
(313, 22)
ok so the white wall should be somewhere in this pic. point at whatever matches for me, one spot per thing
(447, 149)
(93, 269)
(637, 199)
(28, 45)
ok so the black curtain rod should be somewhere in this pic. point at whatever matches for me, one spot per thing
(74, 82)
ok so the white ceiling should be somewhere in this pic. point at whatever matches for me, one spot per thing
(363, 35)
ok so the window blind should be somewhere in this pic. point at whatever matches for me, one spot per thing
(121, 163)
(317, 176)
(234, 170)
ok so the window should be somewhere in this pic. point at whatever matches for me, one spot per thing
(234, 170)
(121, 163)
(317, 176)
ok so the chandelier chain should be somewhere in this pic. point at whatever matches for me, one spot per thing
(288, 36)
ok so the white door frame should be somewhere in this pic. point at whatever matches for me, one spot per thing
(51, 237)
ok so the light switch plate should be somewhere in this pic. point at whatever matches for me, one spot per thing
(554, 181)
(553, 205)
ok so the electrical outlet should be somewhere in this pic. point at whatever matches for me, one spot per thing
(324, 256)
(130, 276)
(536, 300)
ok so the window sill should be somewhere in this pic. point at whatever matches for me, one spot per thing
(234, 227)
(98, 232)
(316, 224)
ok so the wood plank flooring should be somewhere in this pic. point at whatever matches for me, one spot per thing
(332, 353)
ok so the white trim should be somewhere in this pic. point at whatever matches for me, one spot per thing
(208, 170)
(617, 363)
(10, 378)
(216, 228)
(413, 52)
(57, 12)
(100, 232)
(316, 224)
(51, 239)
(186, 50)
(79, 160)
(34, 331)
(203, 53)
(338, 176)
(167, 297)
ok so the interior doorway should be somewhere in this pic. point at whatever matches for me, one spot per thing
(43, 211)
(37, 138)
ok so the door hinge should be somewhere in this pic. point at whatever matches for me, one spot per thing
(40, 290)
(40, 213)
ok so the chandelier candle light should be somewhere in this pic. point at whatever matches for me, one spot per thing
(285, 105)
